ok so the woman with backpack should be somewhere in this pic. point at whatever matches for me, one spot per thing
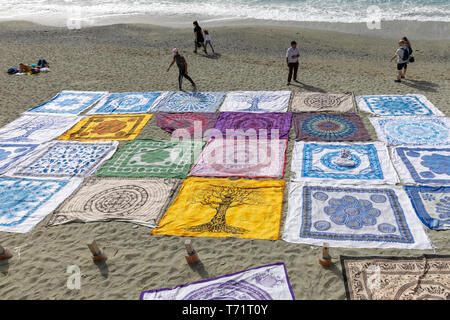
(402, 55)
(410, 51)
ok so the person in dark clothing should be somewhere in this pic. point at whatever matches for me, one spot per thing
(199, 40)
(292, 55)
(410, 57)
(182, 68)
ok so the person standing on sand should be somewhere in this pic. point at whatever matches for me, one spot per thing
(402, 55)
(292, 55)
(411, 58)
(182, 68)
(198, 37)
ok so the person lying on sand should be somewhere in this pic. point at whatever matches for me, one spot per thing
(182, 68)
(25, 68)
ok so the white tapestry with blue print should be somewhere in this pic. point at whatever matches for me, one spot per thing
(68, 102)
(256, 101)
(398, 105)
(11, 153)
(127, 102)
(353, 217)
(346, 163)
(25, 202)
(423, 165)
(66, 159)
(412, 130)
(183, 101)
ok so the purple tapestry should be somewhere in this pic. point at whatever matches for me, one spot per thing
(170, 122)
(255, 124)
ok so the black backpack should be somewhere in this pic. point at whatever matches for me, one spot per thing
(406, 53)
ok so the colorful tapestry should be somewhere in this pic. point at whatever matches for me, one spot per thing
(432, 205)
(398, 105)
(182, 101)
(11, 153)
(68, 102)
(353, 217)
(225, 208)
(254, 158)
(256, 101)
(323, 102)
(269, 282)
(412, 130)
(190, 125)
(107, 127)
(127, 102)
(271, 125)
(37, 129)
(25, 202)
(344, 163)
(329, 127)
(423, 165)
(153, 158)
(397, 278)
(66, 159)
(140, 201)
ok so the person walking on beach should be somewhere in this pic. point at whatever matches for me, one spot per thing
(208, 40)
(182, 68)
(411, 58)
(402, 55)
(292, 55)
(198, 37)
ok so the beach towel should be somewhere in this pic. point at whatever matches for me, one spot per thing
(329, 127)
(254, 158)
(353, 217)
(25, 202)
(432, 205)
(268, 282)
(127, 102)
(140, 201)
(153, 158)
(256, 101)
(248, 209)
(11, 153)
(398, 105)
(65, 159)
(182, 101)
(107, 127)
(271, 125)
(423, 165)
(397, 278)
(412, 130)
(343, 163)
(323, 102)
(189, 125)
(68, 102)
(36, 129)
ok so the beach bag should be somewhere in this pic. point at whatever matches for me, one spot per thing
(13, 70)
(411, 59)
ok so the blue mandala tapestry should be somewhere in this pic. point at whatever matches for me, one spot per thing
(10, 153)
(181, 101)
(127, 102)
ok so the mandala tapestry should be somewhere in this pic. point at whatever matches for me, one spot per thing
(323, 102)
(127, 102)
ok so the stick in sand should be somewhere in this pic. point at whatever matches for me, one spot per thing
(97, 253)
(324, 257)
(192, 256)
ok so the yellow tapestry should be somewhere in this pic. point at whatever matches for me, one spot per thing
(225, 208)
(107, 127)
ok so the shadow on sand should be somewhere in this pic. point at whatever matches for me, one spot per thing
(421, 85)
(307, 87)
(200, 269)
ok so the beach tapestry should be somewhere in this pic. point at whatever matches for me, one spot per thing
(68, 102)
(271, 125)
(323, 102)
(254, 158)
(398, 105)
(11, 153)
(344, 163)
(127, 102)
(107, 127)
(412, 130)
(268, 282)
(423, 165)
(183, 101)
(37, 129)
(256, 101)
(248, 209)
(193, 125)
(353, 217)
(329, 127)
(432, 205)
(25, 202)
(66, 159)
(397, 278)
(153, 158)
(140, 201)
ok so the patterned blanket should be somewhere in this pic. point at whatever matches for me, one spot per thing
(182, 101)
(127, 102)
(11, 153)
(256, 101)
(323, 102)
(191, 125)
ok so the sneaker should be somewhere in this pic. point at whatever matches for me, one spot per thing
(288, 84)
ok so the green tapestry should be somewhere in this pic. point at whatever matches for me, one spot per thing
(153, 158)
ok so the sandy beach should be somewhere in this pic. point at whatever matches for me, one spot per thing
(134, 57)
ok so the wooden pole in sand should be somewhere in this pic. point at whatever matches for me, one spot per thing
(324, 257)
(97, 253)
(5, 254)
(192, 256)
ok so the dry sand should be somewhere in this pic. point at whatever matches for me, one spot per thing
(134, 58)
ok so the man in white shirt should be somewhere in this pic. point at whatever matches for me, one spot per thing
(292, 55)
